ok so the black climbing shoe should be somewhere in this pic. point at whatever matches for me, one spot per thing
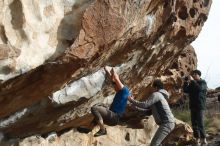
(100, 132)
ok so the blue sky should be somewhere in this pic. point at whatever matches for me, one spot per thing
(207, 47)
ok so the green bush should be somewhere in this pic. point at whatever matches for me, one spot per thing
(183, 115)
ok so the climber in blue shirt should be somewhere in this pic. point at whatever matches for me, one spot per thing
(117, 108)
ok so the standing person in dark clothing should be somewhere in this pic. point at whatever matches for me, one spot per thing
(196, 88)
(111, 115)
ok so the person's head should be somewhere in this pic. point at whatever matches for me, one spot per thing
(157, 84)
(196, 74)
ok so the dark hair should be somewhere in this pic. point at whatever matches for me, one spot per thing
(197, 72)
(158, 84)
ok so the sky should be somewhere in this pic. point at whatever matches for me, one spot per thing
(207, 47)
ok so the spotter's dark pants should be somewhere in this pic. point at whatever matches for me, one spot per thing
(197, 119)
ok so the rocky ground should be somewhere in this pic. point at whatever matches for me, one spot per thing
(120, 135)
(213, 139)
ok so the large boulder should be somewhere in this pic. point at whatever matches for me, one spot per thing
(64, 45)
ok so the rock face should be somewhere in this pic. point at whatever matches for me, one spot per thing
(64, 45)
(213, 101)
(8, 55)
(181, 67)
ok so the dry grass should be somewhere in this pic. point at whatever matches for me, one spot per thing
(213, 125)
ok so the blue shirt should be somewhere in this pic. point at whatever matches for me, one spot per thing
(120, 100)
